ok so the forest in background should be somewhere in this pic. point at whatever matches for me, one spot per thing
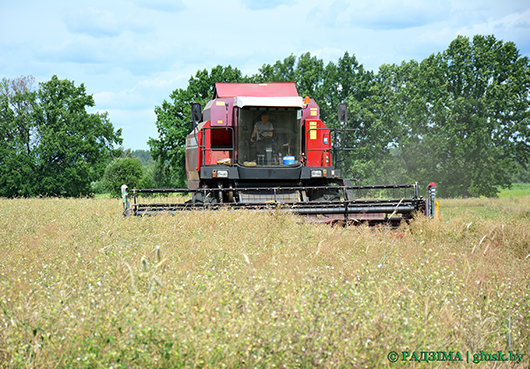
(459, 118)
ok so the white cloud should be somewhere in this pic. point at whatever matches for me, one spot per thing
(383, 14)
(143, 95)
(513, 22)
(266, 4)
(80, 49)
(94, 22)
(169, 6)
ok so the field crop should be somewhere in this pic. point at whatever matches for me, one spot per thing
(81, 286)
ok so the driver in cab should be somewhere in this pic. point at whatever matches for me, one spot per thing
(262, 130)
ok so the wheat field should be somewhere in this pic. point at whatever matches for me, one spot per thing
(83, 287)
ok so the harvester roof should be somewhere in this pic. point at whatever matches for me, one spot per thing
(279, 94)
(277, 89)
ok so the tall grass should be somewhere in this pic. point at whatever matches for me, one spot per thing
(81, 286)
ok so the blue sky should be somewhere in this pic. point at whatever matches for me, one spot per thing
(132, 54)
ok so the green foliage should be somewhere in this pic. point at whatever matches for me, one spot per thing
(522, 175)
(482, 111)
(152, 177)
(516, 190)
(122, 171)
(459, 118)
(125, 170)
(373, 112)
(50, 144)
(144, 156)
(17, 137)
(98, 187)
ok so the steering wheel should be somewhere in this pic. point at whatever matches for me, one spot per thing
(262, 136)
(266, 133)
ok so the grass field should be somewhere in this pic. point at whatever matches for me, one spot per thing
(517, 190)
(81, 286)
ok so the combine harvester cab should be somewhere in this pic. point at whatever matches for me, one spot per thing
(262, 146)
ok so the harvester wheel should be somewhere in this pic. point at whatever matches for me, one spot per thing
(207, 197)
(324, 195)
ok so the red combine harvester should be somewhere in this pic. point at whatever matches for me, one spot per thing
(262, 147)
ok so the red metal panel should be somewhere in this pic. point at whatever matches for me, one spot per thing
(311, 111)
(317, 138)
(211, 141)
(220, 114)
(217, 157)
(278, 89)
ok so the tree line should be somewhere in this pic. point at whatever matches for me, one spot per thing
(459, 117)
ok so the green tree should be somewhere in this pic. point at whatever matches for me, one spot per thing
(345, 80)
(173, 120)
(74, 145)
(478, 99)
(57, 147)
(310, 77)
(458, 118)
(17, 137)
(372, 110)
(348, 82)
(281, 71)
(144, 156)
(122, 171)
